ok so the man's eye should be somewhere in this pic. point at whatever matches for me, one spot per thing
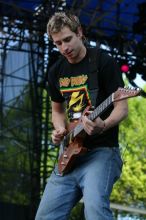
(68, 39)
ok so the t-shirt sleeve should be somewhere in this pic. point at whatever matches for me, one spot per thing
(53, 84)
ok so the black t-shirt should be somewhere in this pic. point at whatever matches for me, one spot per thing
(69, 83)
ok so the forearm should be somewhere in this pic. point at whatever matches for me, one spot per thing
(58, 115)
(59, 131)
(58, 120)
(118, 114)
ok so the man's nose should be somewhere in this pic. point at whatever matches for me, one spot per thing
(64, 47)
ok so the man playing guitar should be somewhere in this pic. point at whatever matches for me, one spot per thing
(95, 170)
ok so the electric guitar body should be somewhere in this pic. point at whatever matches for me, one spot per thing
(72, 151)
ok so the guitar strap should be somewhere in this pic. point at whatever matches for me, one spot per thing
(93, 73)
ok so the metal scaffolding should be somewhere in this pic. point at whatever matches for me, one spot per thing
(24, 100)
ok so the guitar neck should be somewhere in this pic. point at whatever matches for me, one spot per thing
(120, 94)
(96, 113)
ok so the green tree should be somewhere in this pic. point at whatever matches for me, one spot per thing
(15, 140)
(131, 188)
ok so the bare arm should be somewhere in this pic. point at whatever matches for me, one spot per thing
(58, 115)
(58, 120)
(119, 112)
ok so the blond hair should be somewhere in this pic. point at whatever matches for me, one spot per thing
(60, 20)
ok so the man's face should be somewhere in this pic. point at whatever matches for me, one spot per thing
(69, 43)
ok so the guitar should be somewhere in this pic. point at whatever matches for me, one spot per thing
(73, 141)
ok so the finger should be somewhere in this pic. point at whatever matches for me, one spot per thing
(56, 140)
(61, 131)
(87, 113)
(56, 133)
(88, 122)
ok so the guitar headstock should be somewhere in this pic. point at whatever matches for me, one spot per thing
(125, 93)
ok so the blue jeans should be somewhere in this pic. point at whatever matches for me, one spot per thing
(92, 179)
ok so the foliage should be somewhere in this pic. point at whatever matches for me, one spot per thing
(130, 189)
(23, 136)
(14, 154)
